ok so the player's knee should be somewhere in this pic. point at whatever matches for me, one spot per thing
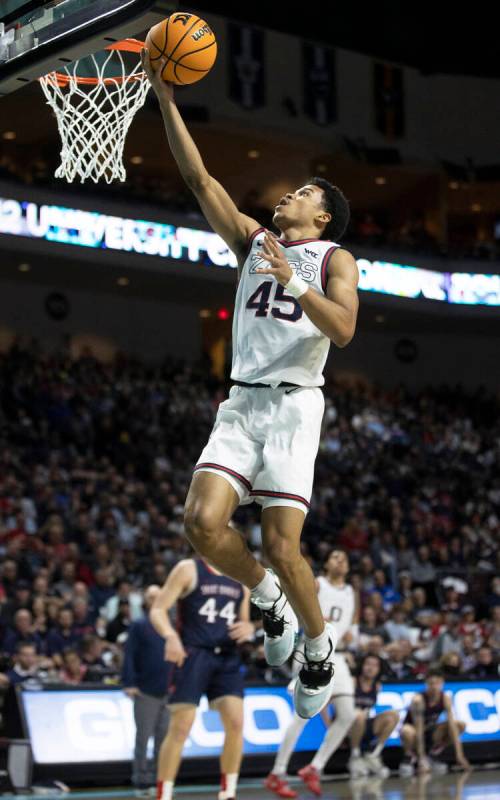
(281, 555)
(351, 716)
(346, 713)
(201, 523)
(408, 732)
(392, 718)
(345, 720)
(233, 725)
(359, 716)
(417, 702)
(179, 728)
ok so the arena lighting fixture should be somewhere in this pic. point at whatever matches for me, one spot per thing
(24, 267)
(136, 160)
(9, 135)
(453, 185)
(380, 180)
(123, 281)
(205, 313)
(253, 154)
(476, 207)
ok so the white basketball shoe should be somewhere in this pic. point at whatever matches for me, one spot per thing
(315, 680)
(280, 627)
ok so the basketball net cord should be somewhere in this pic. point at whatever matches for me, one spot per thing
(93, 117)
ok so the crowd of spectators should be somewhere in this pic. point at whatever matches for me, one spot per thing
(138, 187)
(95, 462)
(410, 234)
(468, 237)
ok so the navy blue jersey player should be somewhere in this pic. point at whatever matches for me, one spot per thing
(369, 733)
(213, 617)
(424, 736)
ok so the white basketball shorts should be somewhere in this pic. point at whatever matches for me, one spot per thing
(343, 682)
(264, 443)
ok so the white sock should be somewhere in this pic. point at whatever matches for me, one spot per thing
(164, 790)
(378, 749)
(267, 591)
(287, 746)
(318, 648)
(356, 752)
(344, 708)
(228, 783)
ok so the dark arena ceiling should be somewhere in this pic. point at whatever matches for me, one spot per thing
(432, 37)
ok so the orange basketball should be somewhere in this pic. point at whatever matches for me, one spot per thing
(188, 45)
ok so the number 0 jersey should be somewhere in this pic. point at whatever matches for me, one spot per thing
(337, 605)
(273, 339)
(204, 614)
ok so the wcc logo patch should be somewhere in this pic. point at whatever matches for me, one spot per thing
(311, 252)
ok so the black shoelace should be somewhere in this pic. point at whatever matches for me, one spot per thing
(273, 623)
(315, 674)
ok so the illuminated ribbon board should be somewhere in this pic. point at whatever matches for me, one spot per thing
(81, 725)
(106, 232)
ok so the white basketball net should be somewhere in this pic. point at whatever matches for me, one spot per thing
(94, 115)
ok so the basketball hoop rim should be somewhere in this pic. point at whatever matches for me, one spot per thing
(124, 45)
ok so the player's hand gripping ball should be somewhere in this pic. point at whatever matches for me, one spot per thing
(183, 46)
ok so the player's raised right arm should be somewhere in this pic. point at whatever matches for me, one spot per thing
(218, 207)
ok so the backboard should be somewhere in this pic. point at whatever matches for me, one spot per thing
(38, 36)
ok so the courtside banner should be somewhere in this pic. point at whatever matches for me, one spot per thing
(85, 725)
(247, 65)
(319, 83)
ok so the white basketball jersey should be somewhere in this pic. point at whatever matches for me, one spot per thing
(337, 604)
(273, 338)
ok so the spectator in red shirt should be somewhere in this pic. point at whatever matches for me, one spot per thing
(354, 536)
(73, 671)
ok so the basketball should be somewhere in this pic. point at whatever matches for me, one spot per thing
(188, 45)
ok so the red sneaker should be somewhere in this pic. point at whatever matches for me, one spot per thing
(279, 786)
(311, 778)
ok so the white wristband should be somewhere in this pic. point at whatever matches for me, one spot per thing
(296, 286)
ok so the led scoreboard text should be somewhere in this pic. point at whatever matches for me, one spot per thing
(107, 232)
(75, 726)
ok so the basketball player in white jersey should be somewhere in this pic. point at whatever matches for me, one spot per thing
(296, 294)
(339, 606)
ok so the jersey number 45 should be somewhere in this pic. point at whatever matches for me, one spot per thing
(259, 301)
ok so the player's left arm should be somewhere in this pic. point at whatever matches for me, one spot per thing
(455, 734)
(243, 630)
(335, 313)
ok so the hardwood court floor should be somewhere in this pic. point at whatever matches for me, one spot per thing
(475, 785)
